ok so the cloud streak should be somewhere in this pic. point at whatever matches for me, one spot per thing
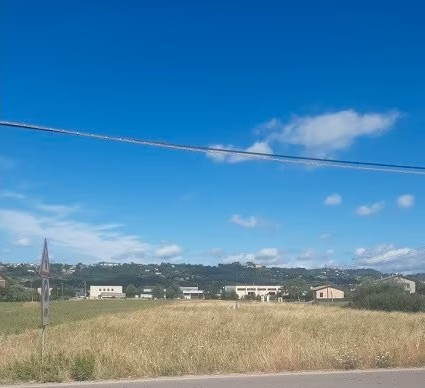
(82, 240)
(248, 222)
(258, 147)
(389, 258)
(369, 210)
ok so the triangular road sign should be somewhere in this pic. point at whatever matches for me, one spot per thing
(44, 267)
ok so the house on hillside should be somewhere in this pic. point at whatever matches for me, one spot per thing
(2, 281)
(106, 292)
(409, 285)
(327, 292)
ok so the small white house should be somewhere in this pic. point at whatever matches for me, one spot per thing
(106, 292)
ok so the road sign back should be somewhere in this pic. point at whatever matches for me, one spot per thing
(44, 267)
(45, 291)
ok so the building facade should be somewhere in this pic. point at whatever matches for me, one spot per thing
(2, 281)
(253, 291)
(146, 294)
(192, 293)
(106, 292)
(409, 285)
(327, 292)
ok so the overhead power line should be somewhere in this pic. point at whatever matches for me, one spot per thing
(333, 163)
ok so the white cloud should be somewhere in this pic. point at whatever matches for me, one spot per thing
(330, 252)
(265, 256)
(329, 132)
(58, 210)
(78, 239)
(332, 200)
(406, 201)
(360, 251)
(269, 226)
(389, 258)
(11, 195)
(22, 242)
(305, 255)
(168, 251)
(320, 135)
(257, 147)
(325, 236)
(249, 222)
(368, 210)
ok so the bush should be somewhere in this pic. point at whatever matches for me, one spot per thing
(387, 296)
(230, 295)
(131, 291)
(51, 370)
(83, 367)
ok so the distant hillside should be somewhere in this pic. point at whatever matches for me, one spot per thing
(75, 276)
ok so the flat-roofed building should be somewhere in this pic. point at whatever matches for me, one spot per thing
(253, 291)
(106, 292)
(146, 293)
(192, 293)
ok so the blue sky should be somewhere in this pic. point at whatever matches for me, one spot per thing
(333, 79)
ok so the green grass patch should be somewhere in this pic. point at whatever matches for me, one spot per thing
(17, 317)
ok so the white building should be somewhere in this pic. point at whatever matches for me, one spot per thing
(106, 292)
(192, 293)
(409, 285)
(244, 291)
(146, 293)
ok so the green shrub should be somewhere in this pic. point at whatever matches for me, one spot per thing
(51, 370)
(383, 360)
(83, 367)
(387, 296)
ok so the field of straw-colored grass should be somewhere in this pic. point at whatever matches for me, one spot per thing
(211, 337)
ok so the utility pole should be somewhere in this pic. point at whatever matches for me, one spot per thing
(32, 293)
(85, 289)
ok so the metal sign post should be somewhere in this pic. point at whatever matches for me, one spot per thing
(45, 293)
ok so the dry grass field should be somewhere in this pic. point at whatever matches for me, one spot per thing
(211, 337)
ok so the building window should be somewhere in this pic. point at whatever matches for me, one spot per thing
(321, 294)
(108, 289)
(112, 289)
(407, 285)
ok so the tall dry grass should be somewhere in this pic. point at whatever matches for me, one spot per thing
(211, 337)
